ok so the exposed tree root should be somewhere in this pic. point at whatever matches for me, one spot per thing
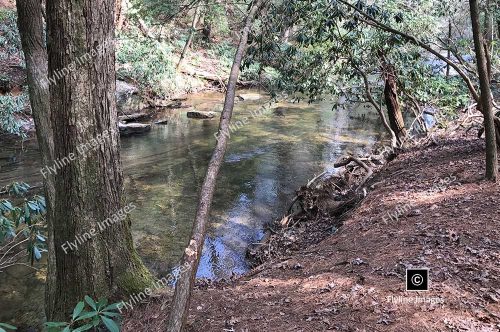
(327, 200)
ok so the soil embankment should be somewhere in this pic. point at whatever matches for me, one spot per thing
(427, 208)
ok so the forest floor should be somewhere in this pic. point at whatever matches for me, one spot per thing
(444, 217)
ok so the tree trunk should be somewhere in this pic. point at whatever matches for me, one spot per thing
(191, 34)
(369, 96)
(488, 37)
(31, 29)
(89, 188)
(180, 302)
(144, 28)
(448, 55)
(485, 96)
(392, 101)
(120, 10)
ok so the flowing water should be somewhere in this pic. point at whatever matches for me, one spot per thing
(268, 158)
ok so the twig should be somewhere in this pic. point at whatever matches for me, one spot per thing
(350, 159)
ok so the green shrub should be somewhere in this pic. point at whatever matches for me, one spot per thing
(21, 223)
(148, 62)
(223, 52)
(10, 106)
(90, 315)
(10, 41)
(449, 95)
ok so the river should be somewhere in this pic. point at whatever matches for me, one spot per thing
(268, 158)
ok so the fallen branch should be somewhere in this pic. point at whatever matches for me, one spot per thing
(348, 160)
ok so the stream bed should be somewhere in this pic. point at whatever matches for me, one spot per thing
(269, 156)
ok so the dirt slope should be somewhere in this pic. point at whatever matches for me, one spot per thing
(447, 220)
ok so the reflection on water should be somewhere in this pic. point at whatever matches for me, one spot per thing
(267, 160)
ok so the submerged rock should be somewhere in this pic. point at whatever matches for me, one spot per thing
(129, 129)
(250, 96)
(133, 117)
(280, 111)
(161, 122)
(200, 115)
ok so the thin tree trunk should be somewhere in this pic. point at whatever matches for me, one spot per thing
(31, 29)
(180, 302)
(191, 34)
(488, 37)
(120, 10)
(485, 97)
(392, 101)
(368, 93)
(144, 28)
(89, 189)
(448, 55)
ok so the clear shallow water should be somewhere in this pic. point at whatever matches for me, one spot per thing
(267, 160)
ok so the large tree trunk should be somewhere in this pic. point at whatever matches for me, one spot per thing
(31, 30)
(191, 34)
(392, 101)
(89, 189)
(485, 96)
(180, 302)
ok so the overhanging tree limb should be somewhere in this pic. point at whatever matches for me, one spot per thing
(377, 24)
(180, 302)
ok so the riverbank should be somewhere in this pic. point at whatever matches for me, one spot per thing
(427, 208)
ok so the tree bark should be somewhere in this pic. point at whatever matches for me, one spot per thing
(180, 302)
(144, 28)
(448, 54)
(392, 101)
(488, 37)
(120, 9)
(486, 103)
(191, 34)
(369, 96)
(31, 30)
(89, 188)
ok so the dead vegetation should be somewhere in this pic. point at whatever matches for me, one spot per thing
(319, 207)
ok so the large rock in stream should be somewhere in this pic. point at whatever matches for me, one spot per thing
(200, 115)
(128, 100)
(129, 129)
(133, 117)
